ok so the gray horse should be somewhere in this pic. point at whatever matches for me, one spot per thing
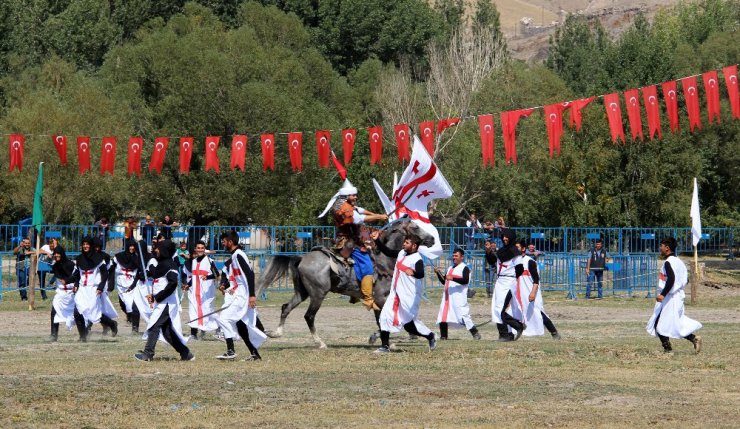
(312, 277)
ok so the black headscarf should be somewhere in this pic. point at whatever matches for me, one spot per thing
(126, 259)
(63, 268)
(88, 260)
(508, 252)
(164, 259)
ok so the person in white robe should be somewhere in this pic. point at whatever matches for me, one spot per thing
(454, 309)
(505, 261)
(401, 308)
(528, 304)
(202, 275)
(239, 315)
(668, 319)
(126, 269)
(164, 320)
(91, 298)
(63, 305)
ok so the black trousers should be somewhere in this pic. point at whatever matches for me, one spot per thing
(665, 341)
(385, 336)
(508, 319)
(548, 323)
(164, 325)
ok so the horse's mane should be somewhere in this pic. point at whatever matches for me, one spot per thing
(397, 230)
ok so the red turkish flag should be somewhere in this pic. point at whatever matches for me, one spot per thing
(711, 88)
(60, 143)
(295, 150)
(135, 145)
(83, 153)
(733, 93)
(16, 151)
(212, 153)
(576, 116)
(402, 141)
(186, 154)
(426, 130)
(670, 96)
(323, 147)
(485, 123)
(509, 121)
(691, 96)
(108, 155)
(614, 115)
(348, 143)
(238, 151)
(443, 124)
(268, 151)
(340, 168)
(652, 110)
(375, 135)
(158, 153)
(632, 98)
(554, 122)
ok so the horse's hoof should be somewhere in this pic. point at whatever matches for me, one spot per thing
(373, 338)
(274, 334)
(322, 346)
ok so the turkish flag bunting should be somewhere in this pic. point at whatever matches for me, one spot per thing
(670, 96)
(295, 150)
(426, 129)
(348, 143)
(711, 88)
(375, 135)
(554, 121)
(732, 89)
(323, 147)
(16, 151)
(268, 151)
(212, 153)
(614, 115)
(402, 141)
(485, 123)
(158, 153)
(238, 151)
(632, 98)
(576, 116)
(340, 168)
(60, 143)
(509, 121)
(186, 154)
(134, 155)
(652, 110)
(83, 153)
(108, 155)
(691, 96)
(446, 123)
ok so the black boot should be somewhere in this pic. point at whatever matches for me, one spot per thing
(443, 331)
(54, 332)
(503, 333)
(474, 332)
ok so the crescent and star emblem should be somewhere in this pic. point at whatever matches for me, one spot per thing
(487, 128)
(427, 131)
(733, 79)
(692, 90)
(651, 99)
(633, 101)
(672, 94)
(613, 106)
(711, 82)
(294, 143)
(60, 140)
(16, 145)
(135, 147)
(322, 140)
(268, 142)
(402, 134)
(159, 146)
(108, 147)
(185, 146)
(83, 146)
(553, 117)
(212, 146)
(348, 137)
(375, 136)
(239, 144)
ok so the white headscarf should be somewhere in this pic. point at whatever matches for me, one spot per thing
(346, 190)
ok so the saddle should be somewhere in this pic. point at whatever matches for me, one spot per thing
(341, 271)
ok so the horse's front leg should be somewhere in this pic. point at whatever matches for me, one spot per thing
(286, 309)
(313, 308)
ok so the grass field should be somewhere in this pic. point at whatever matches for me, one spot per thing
(606, 372)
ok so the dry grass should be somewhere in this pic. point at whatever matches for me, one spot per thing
(606, 372)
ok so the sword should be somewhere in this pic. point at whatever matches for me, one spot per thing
(208, 314)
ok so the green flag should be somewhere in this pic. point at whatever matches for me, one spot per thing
(38, 208)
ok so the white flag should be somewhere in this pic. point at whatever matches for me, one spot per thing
(695, 216)
(421, 182)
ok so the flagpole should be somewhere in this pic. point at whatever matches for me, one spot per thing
(695, 283)
(37, 221)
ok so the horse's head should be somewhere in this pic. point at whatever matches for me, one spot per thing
(394, 235)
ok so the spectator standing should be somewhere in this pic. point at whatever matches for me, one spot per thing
(46, 254)
(148, 229)
(532, 252)
(490, 268)
(103, 228)
(183, 256)
(595, 268)
(165, 227)
(128, 228)
(23, 254)
(474, 226)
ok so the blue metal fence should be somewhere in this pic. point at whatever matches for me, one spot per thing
(562, 266)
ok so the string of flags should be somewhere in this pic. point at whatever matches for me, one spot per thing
(428, 131)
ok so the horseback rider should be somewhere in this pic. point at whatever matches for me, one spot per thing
(348, 219)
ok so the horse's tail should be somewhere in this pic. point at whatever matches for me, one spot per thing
(277, 269)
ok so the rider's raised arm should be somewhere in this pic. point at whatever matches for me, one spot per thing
(386, 250)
